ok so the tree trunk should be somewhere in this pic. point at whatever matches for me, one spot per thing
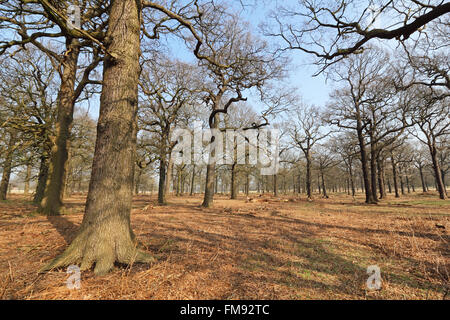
(324, 189)
(394, 176)
(402, 186)
(380, 175)
(247, 184)
(437, 171)
(105, 234)
(208, 198)
(422, 180)
(42, 179)
(308, 175)
(7, 166)
(52, 201)
(169, 174)
(373, 171)
(352, 183)
(275, 185)
(233, 182)
(364, 163)
(192, 180)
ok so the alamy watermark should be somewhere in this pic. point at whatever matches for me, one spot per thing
(256, 147)
(374, 280)
(74, 280)
(74, 17)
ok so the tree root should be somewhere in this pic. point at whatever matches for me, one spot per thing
(87, 250)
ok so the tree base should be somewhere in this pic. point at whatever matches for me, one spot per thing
(101, 246)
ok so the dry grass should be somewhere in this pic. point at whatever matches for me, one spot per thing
(269, 248)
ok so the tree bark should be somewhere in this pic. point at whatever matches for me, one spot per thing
(324, 189)
(208, 198)
(422, 180)
(437, 171)
(373, 169)
(42, 179)
(169, 174)
(105, 235)
(52, 201)
(364, 162)
(308, 175)
(394, 176)
(7, 166)
(380, 175)
(275, 185)
(352, 182)
(233, 182)
(192, 180)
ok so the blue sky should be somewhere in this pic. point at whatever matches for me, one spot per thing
(313, 90)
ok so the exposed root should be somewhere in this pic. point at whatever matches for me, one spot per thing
(90, 248)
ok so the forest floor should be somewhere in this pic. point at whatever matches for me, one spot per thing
(267, 248)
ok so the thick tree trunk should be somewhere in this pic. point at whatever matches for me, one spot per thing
(324, 189)
(42, 179)
(208, 198)
(352, 183)
(247, 184)
(169, 174)
(275, 185)
(373, 171)
(365, 170)
(380, 175)
(394, 176)
(233, 182)
(52, 201)
(7, 166)
(105, 235)
(67, 175)
(437, 171)
(422, 180)
(402, 185)
(308, 175)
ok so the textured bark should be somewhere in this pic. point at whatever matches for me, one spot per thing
(324, 189)
(247, 184)
(105, 235)
(233, 182)
(169, 174)
(209, 186)
(42, 179)
(373, 171)
(208, 198)
(7, 166)
(381, 180)
(54, 191)
(422, 180)
(437, 171)
(275, 185)
(162, 182)
(352, 182)
(394, 176)
(365, 170)
(308, 175)
(192, 180)
(402, 185)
